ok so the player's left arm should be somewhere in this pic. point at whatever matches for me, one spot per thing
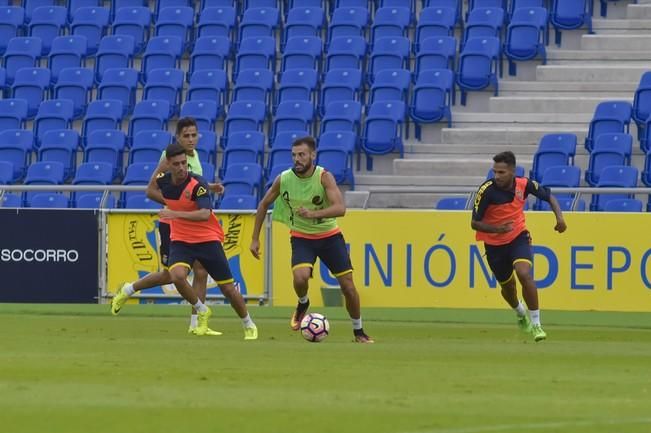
(201, 197)
(545, 194)
(337, 206)
(153, 191)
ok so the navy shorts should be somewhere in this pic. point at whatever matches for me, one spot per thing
(331, 250)
(164, 250)
(210, 254)
(501, 258)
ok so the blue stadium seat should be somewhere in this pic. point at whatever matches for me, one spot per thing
(162, 52)
(60, 145)
(435, 22)
(302, 52)
(94, 173)
(91, 22)
(388, 53)
(563, 177)
(478, 66)
(176, 22)
(208, 86)
(30, 5)
(526, 36)
(93, 200)
(553, 150)
(481, 4)
(21, 52)
(340, 85)
(609, 117)
(303, 21)
(292, 4)
(17, 145)
(347, 22)
(614, 176)
(210, 53)
(106, 145)
(31, 84)
(75, 85)
(642, 106)
(217, 21)
(134, 22)
(115, 51)
(436, 52)
(609, 149)
(207, 146)
(452, 203)
(12, 20)
(149, 115)
(390, 85)
(13, 113)
(53, 114)
(243, 116)
(293, 116)
(518, 4)
(254, 85)
(335, 154)
(43, 173)
(255, 53)
(136, 174)
(243, 147)
(48, 200)
(203, 112)
(208, 170)
(623, 205)
(119, 84)
(345, 53)
(383, 130)
(165, 85)
(342, 116)
(483, 23)
(74, 5)
(390, 22)
(297, 85)
(239, 202)
(258, 22)
(249, 4)
(138, 200)
(162, 4)
(10, 200)
(242, 179)
(119, 4)
(66, 52)
(47, 23)
(148, 146)
(102, 114)
(432, 98)
(570, 15)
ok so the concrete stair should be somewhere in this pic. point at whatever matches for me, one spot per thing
(559, 97)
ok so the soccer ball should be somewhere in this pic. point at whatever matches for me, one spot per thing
(315, 327)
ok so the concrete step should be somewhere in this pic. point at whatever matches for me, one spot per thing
(561, 120)
(486, 151)
(364, 181)
(587, 72)
(449, 166)
(555, 56)
(639, 11)
(619, 26)
(547, 104)
(508, 135)
(624, 42)
(622, 89)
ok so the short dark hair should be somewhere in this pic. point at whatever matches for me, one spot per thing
(507, 157)
(183, 123)
(173, 150)
(311, 143)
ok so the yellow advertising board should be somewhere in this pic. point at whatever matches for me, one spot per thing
(431, 259)
(133, 243)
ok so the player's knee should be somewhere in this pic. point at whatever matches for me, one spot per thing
(177, 276)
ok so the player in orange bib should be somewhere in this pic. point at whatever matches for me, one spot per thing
(498, 218)
(196, 235)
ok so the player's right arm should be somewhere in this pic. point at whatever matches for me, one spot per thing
(270, 196)
(482, 201)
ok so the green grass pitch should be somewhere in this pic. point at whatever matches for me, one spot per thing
(77, 369)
